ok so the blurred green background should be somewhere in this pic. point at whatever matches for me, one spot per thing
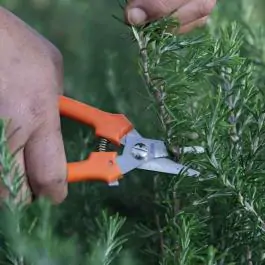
(101, 69)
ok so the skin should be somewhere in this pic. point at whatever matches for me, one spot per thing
(31, 78)
(190, 13)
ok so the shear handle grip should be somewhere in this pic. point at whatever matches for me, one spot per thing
(107, 125)
(100, 166)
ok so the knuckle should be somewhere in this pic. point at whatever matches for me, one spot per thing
(206, 7)
(56, 55)
(57, 63)
(53, 63)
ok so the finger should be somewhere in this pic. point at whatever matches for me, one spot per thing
(141, 11)
(194, 10)
(191, 26)
(46, 161)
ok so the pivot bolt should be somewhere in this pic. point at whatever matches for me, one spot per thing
(140, 151)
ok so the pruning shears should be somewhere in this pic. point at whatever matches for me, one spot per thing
(138, 152)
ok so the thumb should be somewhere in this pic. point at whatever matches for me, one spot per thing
(138, 12)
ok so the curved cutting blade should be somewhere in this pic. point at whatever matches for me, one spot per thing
(165, 165)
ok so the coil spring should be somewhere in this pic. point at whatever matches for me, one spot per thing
(103, 145)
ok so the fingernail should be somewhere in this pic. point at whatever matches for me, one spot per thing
(136, 16)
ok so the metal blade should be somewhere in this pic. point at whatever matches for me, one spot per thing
(165, 165)
(154, 148)
(148, 154)
(138, 150)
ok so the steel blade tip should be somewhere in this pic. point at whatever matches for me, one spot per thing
(165, 165)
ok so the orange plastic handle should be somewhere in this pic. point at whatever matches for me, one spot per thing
(107, 125)
(100, 166)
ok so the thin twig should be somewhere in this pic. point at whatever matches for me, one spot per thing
(176, 203)
(158, 91)
(249, 256)
(157, 220)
